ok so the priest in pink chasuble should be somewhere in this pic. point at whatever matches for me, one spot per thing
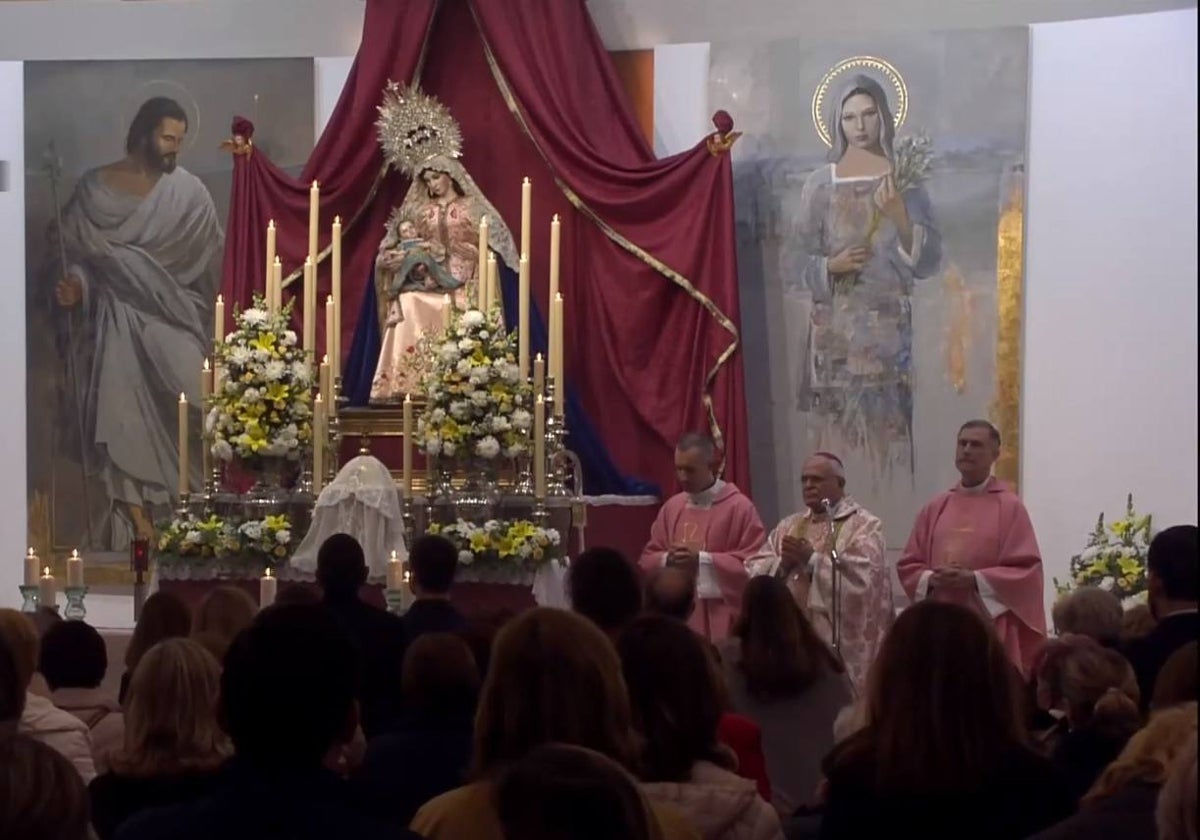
(974, 545)
(709, 530)
(798, 552)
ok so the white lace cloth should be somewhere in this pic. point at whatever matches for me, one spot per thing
(362, 502)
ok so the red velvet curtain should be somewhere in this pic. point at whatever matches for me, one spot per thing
(649, 265)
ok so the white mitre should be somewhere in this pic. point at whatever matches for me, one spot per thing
(362, 502)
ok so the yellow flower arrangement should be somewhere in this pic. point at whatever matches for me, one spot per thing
(1114, 557)
(519, 542)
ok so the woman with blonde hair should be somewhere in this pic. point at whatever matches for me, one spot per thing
(554, 677)
(1176, 811)
(173, 743)
(224, 612)
(163, 616)
(1122, 802)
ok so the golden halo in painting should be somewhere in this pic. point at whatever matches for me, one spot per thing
(134, 99)
(870, 64)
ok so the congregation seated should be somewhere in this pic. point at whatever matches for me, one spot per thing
(1089, 611)
(943, 753)
(39, 718)
(559, 791)
(41, 794)
(428, 751)
(163, 616)
(1123, 801)
(377, 636)
(783, 677)
(433, 562)
(603, 587)
(673, 689)
(287, 699)
(670, 591)
(73, 661)
(580, 701)
(224, 612)
(173, 744)
(1174, 591)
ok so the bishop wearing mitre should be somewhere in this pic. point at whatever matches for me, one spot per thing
(709, 530)
(801, 549)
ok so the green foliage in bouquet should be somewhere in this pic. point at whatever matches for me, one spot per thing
(1114, 558)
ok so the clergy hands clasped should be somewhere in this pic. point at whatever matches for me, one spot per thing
(953, 577)
(684, 558)
(795, 553)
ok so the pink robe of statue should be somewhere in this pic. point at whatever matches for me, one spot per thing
(865, 587)
(724, 527)
(987, 531)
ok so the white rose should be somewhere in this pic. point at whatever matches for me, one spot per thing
(449, 448)
(466, 558)
(283, 536)
(487, 447)
(480, 375)
(525, 550)
(552, 535)
(1108, 583)
(512, 373)
(438, 416)
(466, 345)
(500, 423)
(433, 446)
(449, 352)
(222, 451)
(289, 338)
(463, 368)
(240, 356)
(480, 398)
(484, 335)
(191, 538)
(473, 318)
(514, 450)
(253, 530)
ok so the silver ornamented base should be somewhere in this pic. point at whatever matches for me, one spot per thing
(75, 610)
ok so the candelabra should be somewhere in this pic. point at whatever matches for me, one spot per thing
(75, 610)
(333, 462)
(409, 520)
(556, 451)
(184, 510)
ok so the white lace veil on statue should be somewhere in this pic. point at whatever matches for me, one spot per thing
(362, 502)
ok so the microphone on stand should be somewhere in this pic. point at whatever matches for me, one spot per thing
(835, 579)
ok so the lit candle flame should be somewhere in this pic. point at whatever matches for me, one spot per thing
(46, 572)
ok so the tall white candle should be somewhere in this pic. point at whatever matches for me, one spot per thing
(47, 595)
(406, 475)
(558, 363)
(219, 322)
(323, 378)
(395, 573)
(481, 264)
(314, 217)
(33, 565)
(335, 244)
(523, 319)
(270, 257)
(268, 588)
(184, 483)
(330, 316)
(310, 309)
(493, 292)
(526, 211)
(539, 448)
(75, 570)
(539, 374)
(277, 286)
(555, 252)
(206, 390)
(318, 444)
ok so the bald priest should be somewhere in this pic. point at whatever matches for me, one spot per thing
(709, 530)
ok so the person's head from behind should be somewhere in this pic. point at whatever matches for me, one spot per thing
(171, 712)
(1148, 756)
(781, 652)
(1171, 566)
(554, 677)
(12, 690)
(675, 696)
(297, 593)
(671, 592)
(695, 460)
(1089, 611)
(18, 636)
(603, 586)
(341, 567)
(1137, 622)
(163, 616)
(1178, 680)
(976, 451)
(157, 133)
(41, 793)
(289, 686)
(433, 562)
(943, 703)
(73, 655)
(1176, 812)
(224, 612)
(1098, 688)
(562, 792)
(440, 679)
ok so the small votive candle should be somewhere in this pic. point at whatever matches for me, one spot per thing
(268, 588)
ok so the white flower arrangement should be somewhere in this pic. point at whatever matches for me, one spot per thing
(476, 405)
(268, 540)
(262, 407)
(514, 542)
(1114, 558)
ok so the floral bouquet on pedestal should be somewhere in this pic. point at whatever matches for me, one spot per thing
(1114, 558)
(517, 542)
(262, 406)
(268, 539)
(256, 542)
(198, 538)
(476, 404)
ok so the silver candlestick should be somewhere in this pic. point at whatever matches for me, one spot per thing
(556, 435)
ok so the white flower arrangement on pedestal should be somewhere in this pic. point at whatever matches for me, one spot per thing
(517, 542)
(1114, 558)
(262, 406)
(476, 404)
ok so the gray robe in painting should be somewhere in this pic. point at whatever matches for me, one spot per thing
(858, 377)
(151, 268)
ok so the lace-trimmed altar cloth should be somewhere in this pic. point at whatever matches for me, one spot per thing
(361, 501)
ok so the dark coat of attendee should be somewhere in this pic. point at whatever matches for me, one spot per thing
(433, 562)
(287, 700)
(428, 752)
(603, 587)
(377, 635)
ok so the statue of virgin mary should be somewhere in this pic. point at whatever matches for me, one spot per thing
(431, 246)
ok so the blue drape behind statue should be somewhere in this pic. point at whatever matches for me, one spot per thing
(600, 475)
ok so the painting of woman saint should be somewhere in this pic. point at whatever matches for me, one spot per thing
(430, 250)
(865, 239)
